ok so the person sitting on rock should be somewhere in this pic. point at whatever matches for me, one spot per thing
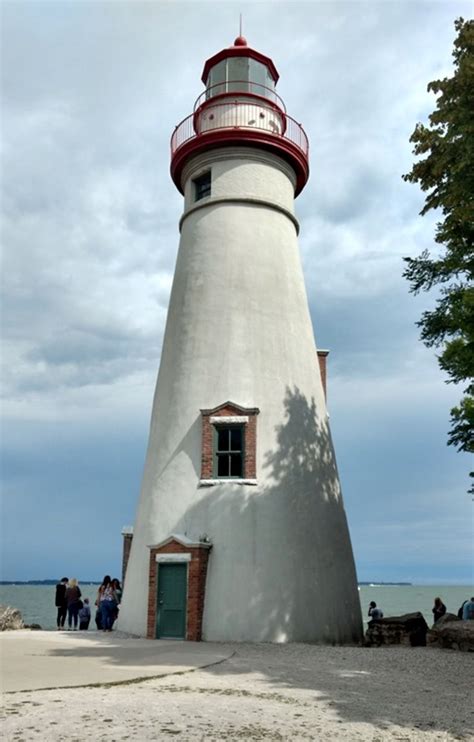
(468, 610)
(375, 612)
(438, 610)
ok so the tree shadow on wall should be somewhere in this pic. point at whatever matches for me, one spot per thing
(302, 490)
(294, 519)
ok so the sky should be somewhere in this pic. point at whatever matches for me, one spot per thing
(91, 94)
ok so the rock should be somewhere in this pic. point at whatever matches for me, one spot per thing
(447, 618)
(452, 633)
(10, 618)
(33, 626)
(409, 630)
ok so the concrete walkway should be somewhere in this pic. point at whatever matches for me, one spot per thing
(34, 660)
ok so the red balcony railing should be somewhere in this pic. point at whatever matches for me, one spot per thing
(243, 115)
(240, 87)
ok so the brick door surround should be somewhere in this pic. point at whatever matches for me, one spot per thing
(179, 549)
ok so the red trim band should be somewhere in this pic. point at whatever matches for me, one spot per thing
(280, 145)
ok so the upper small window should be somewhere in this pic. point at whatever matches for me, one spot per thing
(229, 450)
(202, 186)
(229, 444)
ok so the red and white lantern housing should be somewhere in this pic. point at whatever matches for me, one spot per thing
(240, 106)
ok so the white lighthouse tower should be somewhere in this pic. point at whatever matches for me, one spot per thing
(240, 532)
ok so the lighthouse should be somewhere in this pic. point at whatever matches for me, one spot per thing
(240, 531)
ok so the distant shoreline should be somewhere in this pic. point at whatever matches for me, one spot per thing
(45, 582)
(376, 584)
(97, 582)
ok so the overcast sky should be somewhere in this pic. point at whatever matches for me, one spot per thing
(91, 94)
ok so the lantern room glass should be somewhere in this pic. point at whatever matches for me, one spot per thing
(240, 75)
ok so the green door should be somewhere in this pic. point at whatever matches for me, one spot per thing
(171, 607)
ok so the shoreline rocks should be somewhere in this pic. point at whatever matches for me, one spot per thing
(408, 630)
(451, 632)
(411, 629)
(10, 618)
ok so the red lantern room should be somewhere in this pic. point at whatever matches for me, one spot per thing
(240, 107)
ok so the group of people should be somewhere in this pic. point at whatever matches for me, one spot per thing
(108, 599)
(465, 612)
(70, 605)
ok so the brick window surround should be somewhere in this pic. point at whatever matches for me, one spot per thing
(229, 413)
(197, 558)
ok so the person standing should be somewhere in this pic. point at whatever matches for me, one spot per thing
(60, 603)
(438, 610)
(118, 594)
(73, 594)
(107, 602)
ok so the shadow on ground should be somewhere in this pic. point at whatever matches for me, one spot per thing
(409, 687)
(128, 651)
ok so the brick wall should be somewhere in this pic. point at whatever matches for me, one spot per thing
(196, 587)
(127, 545)
(322, 357)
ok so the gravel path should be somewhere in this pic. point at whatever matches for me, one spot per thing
(268, 692)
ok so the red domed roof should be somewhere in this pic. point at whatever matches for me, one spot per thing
(240, 41)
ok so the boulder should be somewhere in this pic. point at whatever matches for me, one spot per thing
(409, 630)
(447, 618)
(450, 632)
(10, 618)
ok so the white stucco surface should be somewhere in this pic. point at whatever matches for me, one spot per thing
(239, 329)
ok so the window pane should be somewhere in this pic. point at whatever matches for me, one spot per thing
(223, 466)
(222, 439)
(236, 439)
(216, 76)
(235, 465)
(258, 76)
(202, 186)
(237, 74)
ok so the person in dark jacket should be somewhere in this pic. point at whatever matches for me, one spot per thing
(118, 592)
(73, 594)
(438, 610)
(61, 603)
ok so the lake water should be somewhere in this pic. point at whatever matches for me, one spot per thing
(36, 602)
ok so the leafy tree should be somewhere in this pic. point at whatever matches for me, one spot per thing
(446, 173)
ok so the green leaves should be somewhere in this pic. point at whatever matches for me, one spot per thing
(446, 174)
